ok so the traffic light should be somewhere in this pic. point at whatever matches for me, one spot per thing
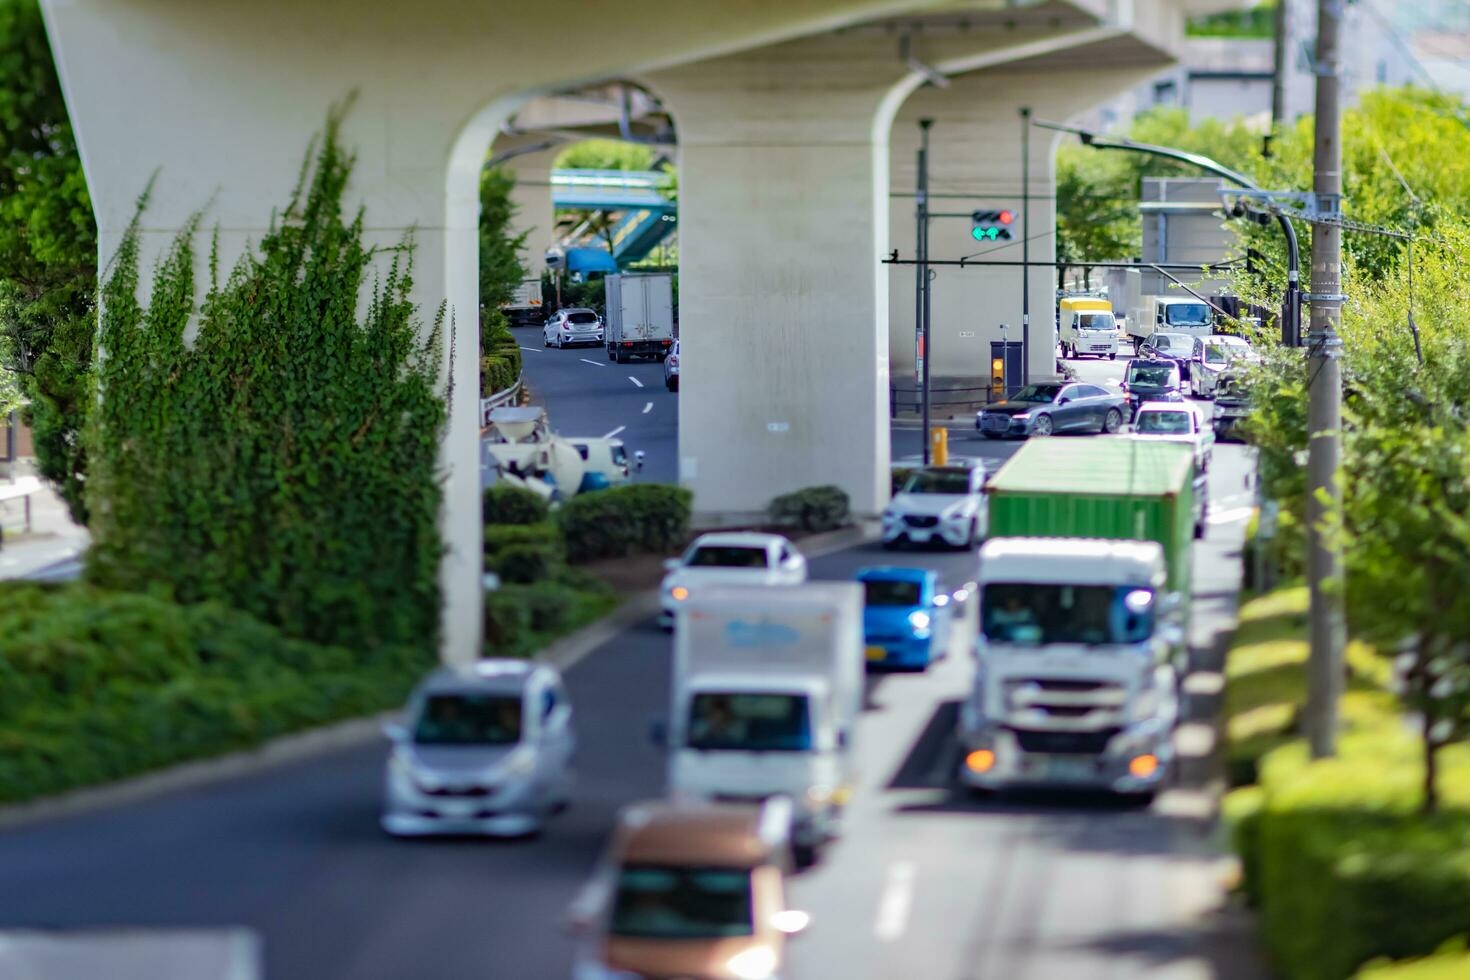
(992, 226)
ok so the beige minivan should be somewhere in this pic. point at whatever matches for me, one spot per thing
(693, 891)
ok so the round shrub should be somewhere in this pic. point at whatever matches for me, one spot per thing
(506, 504)
(626, 520)
(813, 509)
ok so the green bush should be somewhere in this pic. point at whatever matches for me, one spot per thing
(274, 445)
(1450, 963)
(634, 518)
(102, 685)
(507, 620)
(523, 552)
(522, 619)
(505, 504)
(813, 509)
(497, 373)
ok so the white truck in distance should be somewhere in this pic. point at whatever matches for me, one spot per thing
(640, 315)
(1169, 314)
(767, 689)
(1076, 681)
(524, 308)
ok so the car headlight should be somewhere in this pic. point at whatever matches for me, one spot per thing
(753, 964)
(1021, 417)
(919, 619)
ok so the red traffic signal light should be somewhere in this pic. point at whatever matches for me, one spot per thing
(1006, 217)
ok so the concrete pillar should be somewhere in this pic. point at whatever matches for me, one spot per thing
(975, 163)
(531, 196)
(221, 99)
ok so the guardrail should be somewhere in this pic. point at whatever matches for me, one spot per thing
(500, 398)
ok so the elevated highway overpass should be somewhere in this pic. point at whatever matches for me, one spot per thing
(794, 121)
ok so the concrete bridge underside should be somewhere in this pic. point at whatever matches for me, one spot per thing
(783, 109)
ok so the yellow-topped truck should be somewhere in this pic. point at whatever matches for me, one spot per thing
(1086, 327)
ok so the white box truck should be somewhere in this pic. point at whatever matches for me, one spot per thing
(525, 307)
(767, 690)
(640, 315)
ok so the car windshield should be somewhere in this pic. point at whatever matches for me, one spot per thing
(1162, 423)
(749, 722)
(1162, 375)
(727, 556)
(1187, 315)
(469, 719)
(1095, 321)
(891, 592)
(1031, 615)
(655, 902)
(1218, 353)
(938, 481)
(582, 316)
(1036, 393)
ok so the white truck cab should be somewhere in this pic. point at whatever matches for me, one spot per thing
(1077, 669)
(1170, 314)
(767, 689)
(1086, 326)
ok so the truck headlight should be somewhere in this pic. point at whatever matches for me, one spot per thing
(919, 619)
(757, 963)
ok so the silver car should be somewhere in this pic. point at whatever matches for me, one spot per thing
(671, 369)
(483, 749)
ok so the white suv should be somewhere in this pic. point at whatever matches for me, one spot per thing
(729, 558)
(939, 504)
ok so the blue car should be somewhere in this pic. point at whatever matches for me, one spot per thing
(905, 617)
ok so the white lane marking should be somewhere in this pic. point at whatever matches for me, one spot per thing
(894, 905)
(614, 432)
(647, 408)
(593, 363)
(1231, 516)
(635, 381)
(534, 350)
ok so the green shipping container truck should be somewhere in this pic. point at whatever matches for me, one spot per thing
(1108, 487)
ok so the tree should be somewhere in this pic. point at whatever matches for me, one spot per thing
(1097, 210)
(601, 154)
(48, 251)
(500, 254)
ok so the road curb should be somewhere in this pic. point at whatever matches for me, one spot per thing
(201, 772)
(562, 654)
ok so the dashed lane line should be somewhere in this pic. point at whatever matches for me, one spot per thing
(593, 363)
(534, 350)
(897, 899)
(647, 408)
(635, 381)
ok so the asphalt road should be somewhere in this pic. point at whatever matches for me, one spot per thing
(927, 882)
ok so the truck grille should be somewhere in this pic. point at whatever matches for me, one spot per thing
(1064, 743)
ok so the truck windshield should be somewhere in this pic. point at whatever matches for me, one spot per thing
(1095, 321)
(1187, 315)
(655, 902)
(1032, 615)
(938, 481)
(727, 556)
(881, 592)
(750, 722)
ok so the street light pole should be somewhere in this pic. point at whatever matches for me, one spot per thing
(1025, 245)
(1325, 679)
(921, 295)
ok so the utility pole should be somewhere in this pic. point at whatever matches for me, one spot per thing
(1325, 679)
(921, 293)
(1025, 245)
(1281, 23)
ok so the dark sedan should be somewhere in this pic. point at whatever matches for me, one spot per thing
(1177, 347)
(1042, 409)
(1151, 381)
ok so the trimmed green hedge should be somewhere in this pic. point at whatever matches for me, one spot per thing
(523, 552)
(98, 685)
(813, 509)
(1451, 963)
(522, 619)
(506, 504)
(631, 519)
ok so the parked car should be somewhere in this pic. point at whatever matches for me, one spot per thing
(671, 368)
(1042, 409)
(1154, 380)
(573, 326)
(729, 558)
(1176, 422)
(485, 749)
(938, 504)
(1211, 357)
(905, 617)
(689, 890)
(1169, 347)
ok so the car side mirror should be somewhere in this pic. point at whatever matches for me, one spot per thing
(1063, 400)
(658, 732)
(395, 731)
(795, 563)
(672, 563)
